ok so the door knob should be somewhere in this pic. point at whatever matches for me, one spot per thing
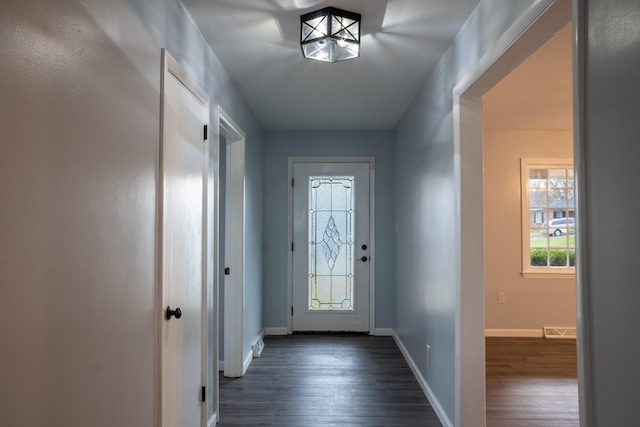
(177, 313)
(364, 259)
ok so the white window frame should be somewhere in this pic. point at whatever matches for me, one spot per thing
(529, 272)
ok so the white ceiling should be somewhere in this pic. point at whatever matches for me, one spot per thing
(257, 41)
(538, 94)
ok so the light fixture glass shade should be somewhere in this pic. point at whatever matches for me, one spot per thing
(330, 35)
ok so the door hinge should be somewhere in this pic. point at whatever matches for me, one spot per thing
(292, 310)
(206, 132)
(291, 182)
(227, 271)
(291, 246)
(203, 394)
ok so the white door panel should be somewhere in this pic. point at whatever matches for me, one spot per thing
(331, 270)
(182, 247)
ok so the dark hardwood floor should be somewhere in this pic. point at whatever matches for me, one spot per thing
(531, 382)
(326, 380)
(356, 380)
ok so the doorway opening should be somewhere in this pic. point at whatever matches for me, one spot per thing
(529, 240)
(537, 25)
(231, 275)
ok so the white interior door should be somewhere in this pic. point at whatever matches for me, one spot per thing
(183, 165)
(331, 256)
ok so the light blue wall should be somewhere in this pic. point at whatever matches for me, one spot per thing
(427, 267)
(608, 226)
(80, 129)
(279, 147)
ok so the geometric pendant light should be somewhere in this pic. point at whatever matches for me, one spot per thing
(330, 35)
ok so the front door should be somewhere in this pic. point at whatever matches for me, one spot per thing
(183, 162)
(331, 247)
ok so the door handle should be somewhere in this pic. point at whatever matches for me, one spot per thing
(177, 313)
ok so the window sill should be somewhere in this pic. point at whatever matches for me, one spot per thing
(549, 275)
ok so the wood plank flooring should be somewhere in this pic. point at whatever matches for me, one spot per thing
(342, 380)
(312, 380)
(531, 382)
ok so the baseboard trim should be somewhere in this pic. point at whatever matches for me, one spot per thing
(435, 403)
(517, 333)
(383, 332)
(213, 420)
(275, 331)
(248, 358)
(221, 365)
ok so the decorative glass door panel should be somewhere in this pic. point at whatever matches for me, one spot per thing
(331, 247)
(331, 259)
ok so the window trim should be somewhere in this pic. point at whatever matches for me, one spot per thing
(527, 271)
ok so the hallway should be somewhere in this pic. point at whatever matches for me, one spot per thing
(82, 218)
(326, 380)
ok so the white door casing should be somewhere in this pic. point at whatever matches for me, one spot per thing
(332, 247)
(542, 18)
(234, 254)
(183, 250)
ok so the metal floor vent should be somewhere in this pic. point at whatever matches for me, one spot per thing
(559, 332)
(258, 347)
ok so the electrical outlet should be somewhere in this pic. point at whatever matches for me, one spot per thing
(502, 298)
(428, 355)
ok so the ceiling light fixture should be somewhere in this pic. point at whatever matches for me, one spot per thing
(330, 35)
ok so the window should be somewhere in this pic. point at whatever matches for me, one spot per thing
(331, 260)
(548, 218)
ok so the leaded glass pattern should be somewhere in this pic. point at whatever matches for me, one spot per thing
(331, 248)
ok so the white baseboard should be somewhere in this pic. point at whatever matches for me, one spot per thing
(518, 333)
(213, 420)
(248, 358)
(275, 331)
(383, 332)
(435, 403)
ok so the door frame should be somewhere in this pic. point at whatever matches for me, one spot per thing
(234, 244)
(372, 236)
(539, 22)
(170, 65)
